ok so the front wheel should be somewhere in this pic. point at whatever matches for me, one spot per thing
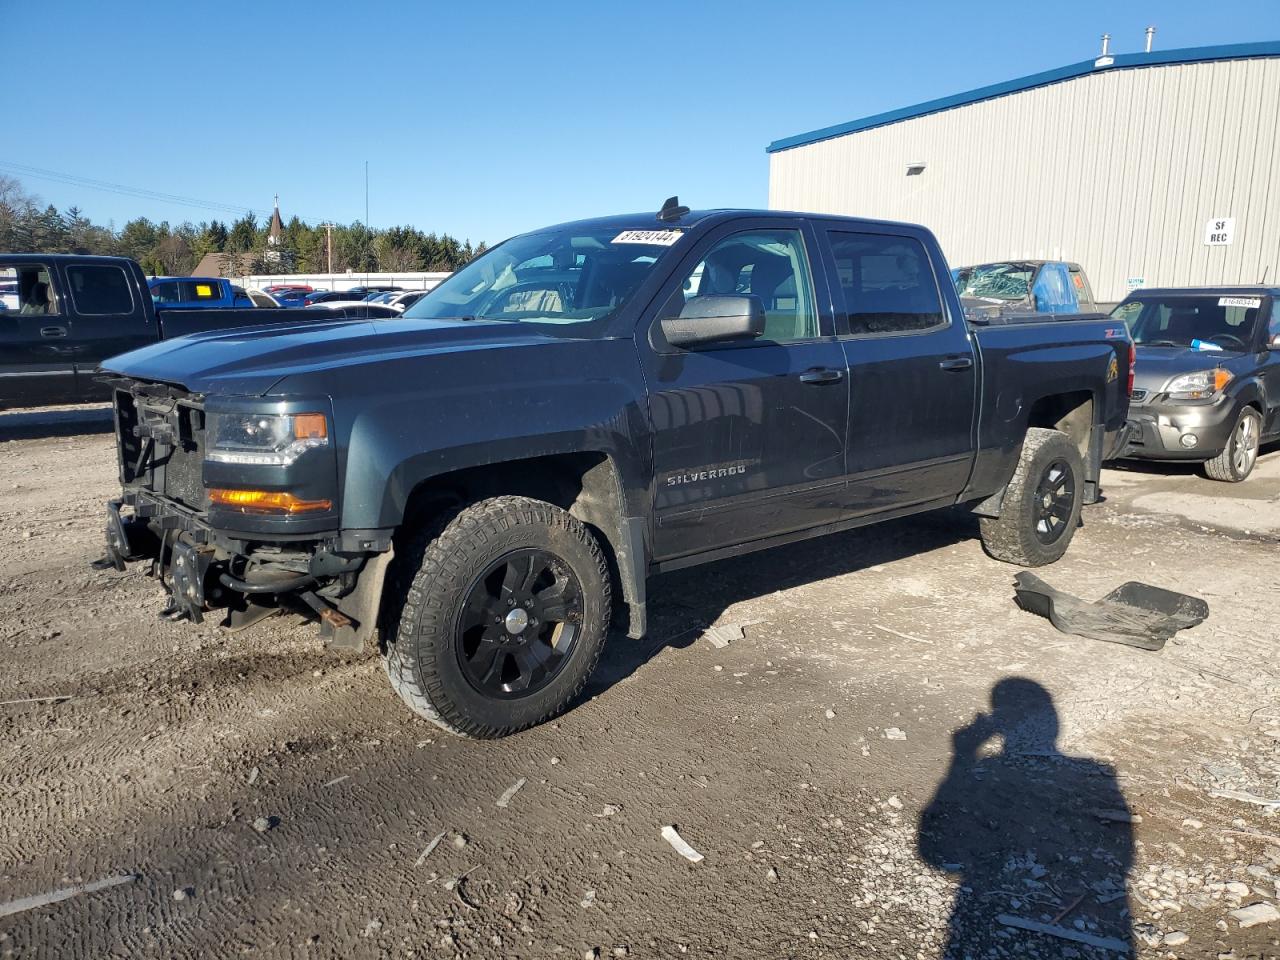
(1236, 462)
(497, 618)
(1042, 503)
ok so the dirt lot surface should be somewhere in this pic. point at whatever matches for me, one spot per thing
(893, 759)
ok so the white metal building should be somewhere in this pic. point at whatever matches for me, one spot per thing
(1147, 169)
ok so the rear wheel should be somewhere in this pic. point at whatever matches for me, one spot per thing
(498, 617)
(1236, 461)
(1042, 503)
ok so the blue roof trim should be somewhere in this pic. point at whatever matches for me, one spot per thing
(1234, 51)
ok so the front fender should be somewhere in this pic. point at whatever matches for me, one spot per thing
(443, 414)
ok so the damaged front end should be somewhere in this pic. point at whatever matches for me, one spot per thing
(232, 503)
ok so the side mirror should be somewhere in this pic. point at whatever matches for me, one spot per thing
(712, 319)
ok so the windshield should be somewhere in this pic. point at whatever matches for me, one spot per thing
(574, 277)
(1207, 322)
(995, 281)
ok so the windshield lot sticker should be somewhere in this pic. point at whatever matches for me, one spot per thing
(662, 238)
(1249, 303)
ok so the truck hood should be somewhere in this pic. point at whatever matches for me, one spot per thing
(248, 361)
(1157, 365)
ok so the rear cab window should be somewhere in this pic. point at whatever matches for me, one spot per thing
(888, 283)
(28, 289)
(99, 289)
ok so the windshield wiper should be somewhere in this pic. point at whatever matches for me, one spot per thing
(1160, 343)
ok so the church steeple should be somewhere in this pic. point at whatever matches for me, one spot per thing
(275, 234)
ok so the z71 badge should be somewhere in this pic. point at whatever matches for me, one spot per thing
(710, 473)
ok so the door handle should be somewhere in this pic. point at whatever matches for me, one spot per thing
(821, 375)
(53, 331)
(956, 363)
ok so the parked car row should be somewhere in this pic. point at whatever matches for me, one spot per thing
(61, 315)
(1208, 359)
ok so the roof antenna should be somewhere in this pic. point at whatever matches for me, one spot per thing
(671, 210)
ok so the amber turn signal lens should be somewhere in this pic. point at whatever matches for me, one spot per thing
(264, 501)
(1220, 378)
(310, 426)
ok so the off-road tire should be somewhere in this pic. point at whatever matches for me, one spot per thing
(429, 584)
(1011, 537)
(1223, 466)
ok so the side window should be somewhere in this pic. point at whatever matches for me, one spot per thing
(888, 284)
(100, 289)
(768, 264)
(1081, 286)
(1273, 325)
(166, 292)
(28, 290)
(198, 291)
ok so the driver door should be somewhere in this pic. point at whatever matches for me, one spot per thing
(748, 436)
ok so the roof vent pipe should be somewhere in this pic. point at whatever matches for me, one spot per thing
(1106, 59)
(1151, 35)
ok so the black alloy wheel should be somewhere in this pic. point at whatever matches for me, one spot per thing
(518, 624)
(1054, 501)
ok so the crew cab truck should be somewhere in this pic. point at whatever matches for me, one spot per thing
(196, 293)
(66, 313)
(483, 484)
(1207, 380)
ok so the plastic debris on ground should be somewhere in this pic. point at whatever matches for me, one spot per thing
(680, 846)
(722, 635)
(1135, 614)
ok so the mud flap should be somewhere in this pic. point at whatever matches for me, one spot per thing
(359, 609)
(1135, 614)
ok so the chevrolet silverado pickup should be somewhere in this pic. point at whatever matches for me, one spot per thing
(481, 485)
(63, 314)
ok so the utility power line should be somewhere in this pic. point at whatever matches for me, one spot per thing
(70, 179)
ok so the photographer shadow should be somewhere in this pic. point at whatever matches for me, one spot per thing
(1035, 837)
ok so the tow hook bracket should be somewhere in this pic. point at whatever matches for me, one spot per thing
(188, 567)
(334, 624)
(119, 552)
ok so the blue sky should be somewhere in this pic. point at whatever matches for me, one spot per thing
(484, 119)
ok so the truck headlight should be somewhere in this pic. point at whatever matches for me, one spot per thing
(264, 438)
(1200, 385)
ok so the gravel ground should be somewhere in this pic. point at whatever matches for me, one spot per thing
(894, 761)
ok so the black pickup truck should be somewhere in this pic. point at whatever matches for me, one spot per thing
(61, 315)
(584, 406)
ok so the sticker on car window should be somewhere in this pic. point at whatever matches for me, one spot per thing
(204, 290)
(662, 238)
(1249, 303)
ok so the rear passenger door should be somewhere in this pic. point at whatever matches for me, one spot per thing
(912, 371)
(108, 319)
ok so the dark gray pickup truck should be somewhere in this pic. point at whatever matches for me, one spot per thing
(63, 314)
(584, 406)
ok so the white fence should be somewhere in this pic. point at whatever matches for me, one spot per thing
(345, 281)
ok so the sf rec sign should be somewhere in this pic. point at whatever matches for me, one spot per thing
(1218, 232)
